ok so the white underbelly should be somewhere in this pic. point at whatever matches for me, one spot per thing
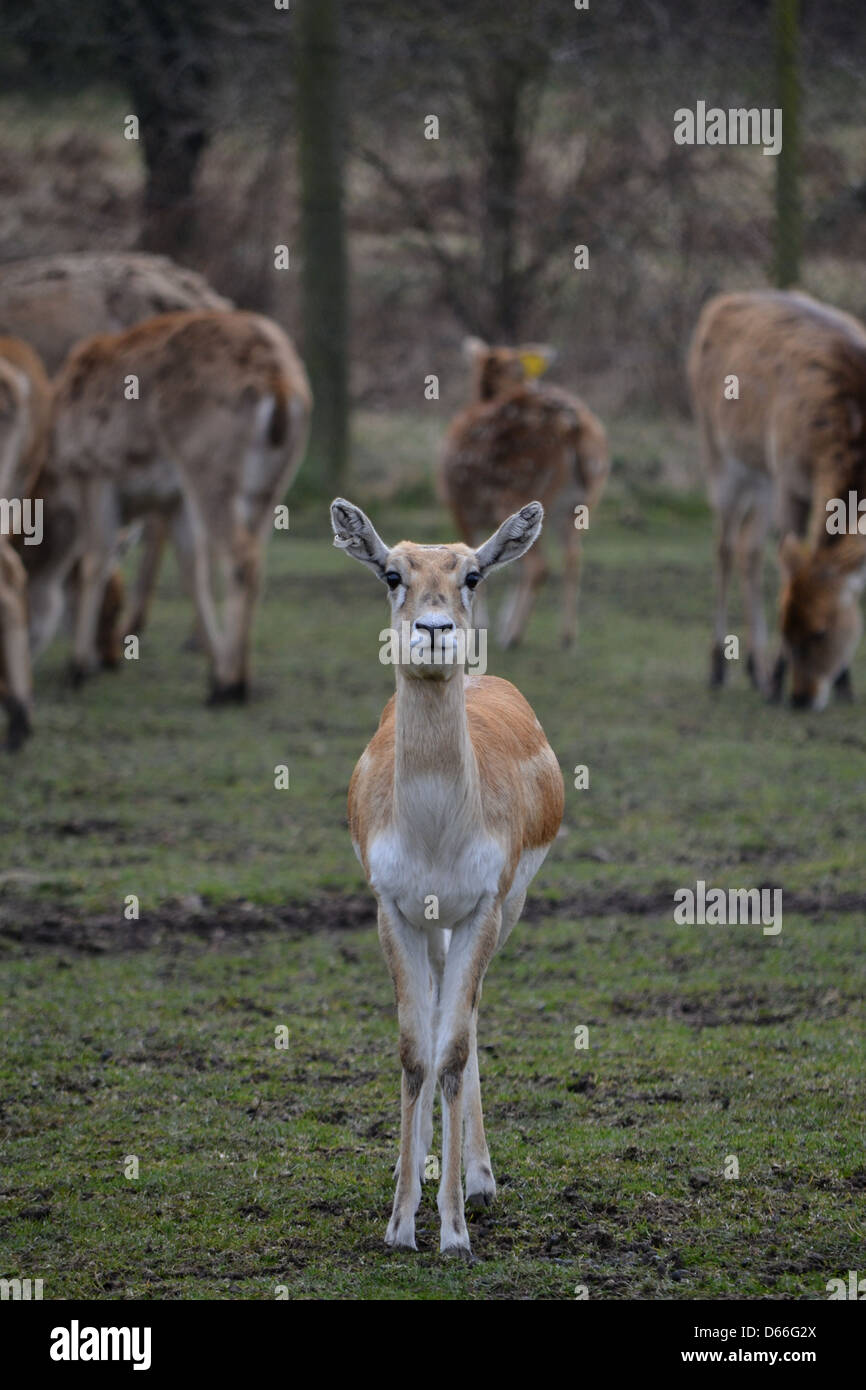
(442, 889)
(445, 893)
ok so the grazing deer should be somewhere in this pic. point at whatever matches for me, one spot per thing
(452, 809)
(519, 440)
(778, 382)
(55, 302)
(211, 443)
(24, 407)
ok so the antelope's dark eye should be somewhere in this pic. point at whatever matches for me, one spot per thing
(472, 578)
(393, 580)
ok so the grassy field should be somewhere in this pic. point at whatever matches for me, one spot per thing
(261, 1167)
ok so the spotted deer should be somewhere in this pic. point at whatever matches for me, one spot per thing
(198, 418)
(24, 408)
(53, 302)
(515, 441)
(452, 809)
(778, 382)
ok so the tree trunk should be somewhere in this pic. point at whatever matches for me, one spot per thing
(164, 50)
(503, 165)
(788, 224)
(324, 283)
(172, 149)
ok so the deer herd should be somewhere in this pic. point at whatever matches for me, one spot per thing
(170, 414)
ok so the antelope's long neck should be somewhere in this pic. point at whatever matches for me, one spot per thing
(432, 741)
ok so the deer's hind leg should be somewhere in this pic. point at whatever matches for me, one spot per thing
(100, 524)
(519, 603)
(202, 538)
(570, 579)
(152, 546)
(236, 554)
(242, 571)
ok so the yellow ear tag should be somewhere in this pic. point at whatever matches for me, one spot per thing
(534, 364)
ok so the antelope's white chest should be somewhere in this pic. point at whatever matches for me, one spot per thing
(437, 861)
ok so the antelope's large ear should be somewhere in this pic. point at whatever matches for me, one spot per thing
(791, 553)
(535, 358)
(513, 538)
(473, 348)
(354, 532)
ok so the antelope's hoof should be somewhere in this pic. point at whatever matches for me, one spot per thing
(776, 683)
(479, 1201)
(718, 668)
(234, 694)
(843, 687)
(400, 1235)
(458, 1252)
(78, 674)
(19, 728)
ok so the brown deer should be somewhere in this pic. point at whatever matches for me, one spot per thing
(517, 441)
(24, 410)
(778, 382)
(199, 418)
(55, 302)
(452, 809)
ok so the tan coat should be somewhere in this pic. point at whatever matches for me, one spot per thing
(197, 417)
(516, 441)
(792, 437)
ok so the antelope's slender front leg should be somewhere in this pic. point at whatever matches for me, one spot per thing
(472, 946)
(405, 950)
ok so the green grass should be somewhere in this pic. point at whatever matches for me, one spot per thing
(261, 1167)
